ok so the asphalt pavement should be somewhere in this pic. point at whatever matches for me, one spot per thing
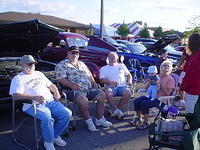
(120, 136)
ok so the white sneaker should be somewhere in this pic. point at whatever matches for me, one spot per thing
(118, 113)
(90, 124)
(49, 146)
(59, 141)
(103, 122)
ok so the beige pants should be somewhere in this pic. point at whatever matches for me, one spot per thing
(190, 101)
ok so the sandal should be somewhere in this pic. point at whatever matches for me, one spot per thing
(143, 126)
(136, 122)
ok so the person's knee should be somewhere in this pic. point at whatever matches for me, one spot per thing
(67, 113)
(109, 93)
(82, 101)
(127, 93)
(101, 97)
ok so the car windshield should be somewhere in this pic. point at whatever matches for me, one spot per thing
(169, 48)
(110, 40)
(77, 42)
(137, 48)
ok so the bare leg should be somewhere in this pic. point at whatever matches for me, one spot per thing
(100, 98)
(139, 114)
(82, 102)
(146, 118)
(110, 99)
(124, 99)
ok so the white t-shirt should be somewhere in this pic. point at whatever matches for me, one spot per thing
(35, 84)
(115, 73)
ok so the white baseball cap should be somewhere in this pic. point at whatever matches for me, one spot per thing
(152, 69)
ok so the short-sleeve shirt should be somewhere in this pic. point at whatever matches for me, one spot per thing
(191, 81)
(78, 74)
(35, 84)
(153, 79)
(115, 73)
(166, 82)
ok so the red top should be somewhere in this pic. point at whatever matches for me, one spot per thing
(191, 81)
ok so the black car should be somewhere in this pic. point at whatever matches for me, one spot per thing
(156, 46)
(17, 39)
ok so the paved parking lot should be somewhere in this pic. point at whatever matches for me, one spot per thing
(121, 136)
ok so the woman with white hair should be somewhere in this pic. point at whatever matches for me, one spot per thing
(143, 104)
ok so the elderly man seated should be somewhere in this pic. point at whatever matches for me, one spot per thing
(74, 74)
(34, 86)
(116, 78)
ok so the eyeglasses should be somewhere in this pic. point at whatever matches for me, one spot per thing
(73, 52)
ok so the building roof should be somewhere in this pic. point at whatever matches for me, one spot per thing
(56, 21)
(133, 27)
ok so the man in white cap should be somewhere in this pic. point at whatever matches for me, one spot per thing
(34, 86)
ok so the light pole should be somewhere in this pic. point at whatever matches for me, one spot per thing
(101, 21)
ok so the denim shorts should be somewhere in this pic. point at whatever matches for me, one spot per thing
(90, 95)
(117, 91)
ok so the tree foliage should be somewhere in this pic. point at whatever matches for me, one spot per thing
(123, 30)
(139, 22)
(169, 32)
(144, 33)
(194, 25)
(158, 33)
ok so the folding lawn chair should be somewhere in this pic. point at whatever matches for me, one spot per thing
(15, 127)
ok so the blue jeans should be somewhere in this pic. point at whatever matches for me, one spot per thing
(143, 104)
(53, 120)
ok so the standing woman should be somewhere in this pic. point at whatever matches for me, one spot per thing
(191, 81)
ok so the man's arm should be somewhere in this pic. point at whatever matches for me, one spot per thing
(129, 79)
(19, 96)
(106, 81)
(65, 83)
(55, 91)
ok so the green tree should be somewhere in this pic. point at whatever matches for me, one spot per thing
(169, 32)
(144, 33)
(123, 30)
(194, 25)
(158, 33)
(139, 22)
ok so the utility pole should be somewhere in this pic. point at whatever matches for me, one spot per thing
(101, 21)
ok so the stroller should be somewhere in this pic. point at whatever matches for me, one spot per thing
(185, 139)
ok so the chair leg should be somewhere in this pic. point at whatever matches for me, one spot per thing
(37, 139)
(14, 129)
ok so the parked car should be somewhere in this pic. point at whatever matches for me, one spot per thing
(180, 48)
(135, 48)
(17, 39)
(144, 40)
(164, 43)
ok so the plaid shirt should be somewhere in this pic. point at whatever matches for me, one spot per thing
(77, 74)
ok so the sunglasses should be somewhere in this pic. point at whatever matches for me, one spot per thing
(75, 52)
(31, 64)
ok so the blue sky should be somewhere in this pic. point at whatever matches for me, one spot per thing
(166, 13)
